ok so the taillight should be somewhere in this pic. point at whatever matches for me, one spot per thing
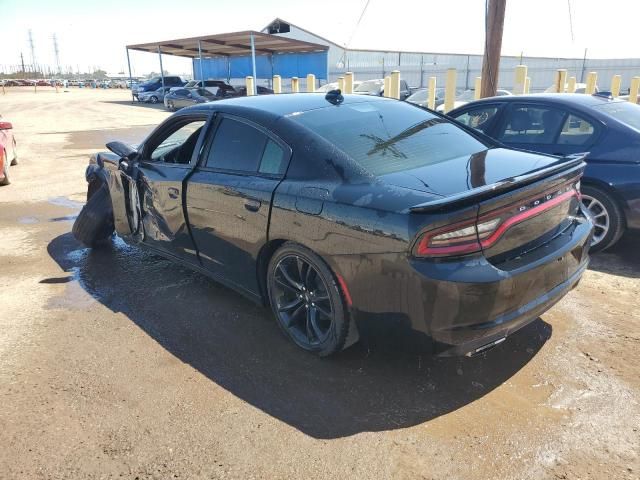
(469, 236)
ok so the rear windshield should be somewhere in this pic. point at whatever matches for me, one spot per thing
(387, 137)
(624, 112)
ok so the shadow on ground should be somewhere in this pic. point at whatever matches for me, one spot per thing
(238, 346)
(621, 259)
(155, 106)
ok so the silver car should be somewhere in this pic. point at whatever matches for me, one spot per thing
(153, 96)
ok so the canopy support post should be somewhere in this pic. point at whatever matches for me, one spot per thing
(130, 77)
(161, 70)
(200, 57)
(253, 61)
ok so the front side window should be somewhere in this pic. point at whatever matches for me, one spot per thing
(236, 146)
(388, 137)
(479, 118)
(532, 125)
(177, 145)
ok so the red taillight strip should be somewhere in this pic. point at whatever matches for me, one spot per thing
(520, 217)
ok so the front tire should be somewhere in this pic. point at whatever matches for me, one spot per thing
(153, 99)
(94, 225)
(306, 300)
(607, 217)
(5, 171)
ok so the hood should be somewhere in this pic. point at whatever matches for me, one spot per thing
(463, 174)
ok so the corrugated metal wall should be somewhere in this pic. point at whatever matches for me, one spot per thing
(416, 68)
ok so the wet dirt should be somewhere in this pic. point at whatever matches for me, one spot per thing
(115, 363)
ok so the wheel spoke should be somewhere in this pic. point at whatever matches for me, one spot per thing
(289, 278)
(313, 320)
(293, 316)
(287, 286)
(322, 310)
(290, 306)
(302, 268)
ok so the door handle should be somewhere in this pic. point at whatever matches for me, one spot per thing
(174, 192)
(252, 205)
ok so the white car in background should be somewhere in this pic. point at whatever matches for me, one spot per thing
(469, 96)
(580, 88)
(333, 86)
(153, 96)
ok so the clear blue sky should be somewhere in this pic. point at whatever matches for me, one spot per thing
(93, 33)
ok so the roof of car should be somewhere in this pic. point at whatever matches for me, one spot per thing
(284, 104)
(557, 98)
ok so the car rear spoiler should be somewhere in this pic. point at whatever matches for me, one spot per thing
(566, 164)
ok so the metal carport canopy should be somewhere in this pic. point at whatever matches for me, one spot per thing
(226, 45)
(229, 45)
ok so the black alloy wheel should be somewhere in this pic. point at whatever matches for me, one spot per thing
(307, 301)
(154, 99)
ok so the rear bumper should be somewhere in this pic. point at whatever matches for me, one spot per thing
(466, 304)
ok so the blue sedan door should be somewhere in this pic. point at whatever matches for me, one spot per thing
(229, 198)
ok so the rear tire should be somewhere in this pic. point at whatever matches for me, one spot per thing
(153, 99)
(306, 300)
(94, 225)
(606, 215)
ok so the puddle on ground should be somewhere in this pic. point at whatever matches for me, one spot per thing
(65, 202)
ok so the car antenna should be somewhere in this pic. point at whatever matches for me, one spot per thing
(334, 97)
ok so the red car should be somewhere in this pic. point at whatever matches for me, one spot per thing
(8, 151)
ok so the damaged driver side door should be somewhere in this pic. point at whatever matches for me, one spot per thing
(156, 180)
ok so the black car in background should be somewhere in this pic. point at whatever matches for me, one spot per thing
(562, 124)
(155, 83)
(186, 97)
(337, 211)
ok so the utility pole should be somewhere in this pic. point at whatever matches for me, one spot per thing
(22, 62)
(494, 23)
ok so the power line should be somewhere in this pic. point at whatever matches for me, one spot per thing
(570, 20)
(357, 23)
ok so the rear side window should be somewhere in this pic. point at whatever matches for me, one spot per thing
(273, 159)
(576, 131)
(535, 125)
(386, 136)
(236, 146)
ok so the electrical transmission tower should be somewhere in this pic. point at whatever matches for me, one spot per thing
(57, 53)
(33, 51)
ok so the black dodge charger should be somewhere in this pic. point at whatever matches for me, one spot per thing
(336, 210)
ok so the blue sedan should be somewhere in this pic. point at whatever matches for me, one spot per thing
(562, 124)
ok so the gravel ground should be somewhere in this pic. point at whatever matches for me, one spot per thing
(118, 364)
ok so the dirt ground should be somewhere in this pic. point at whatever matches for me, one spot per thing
(118, 364)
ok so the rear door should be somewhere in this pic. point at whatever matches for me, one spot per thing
(165, 161)
(229, 197)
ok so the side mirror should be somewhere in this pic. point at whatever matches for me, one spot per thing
(123, 150)
(6, 126)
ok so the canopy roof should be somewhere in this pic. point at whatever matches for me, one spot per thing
(230, 45)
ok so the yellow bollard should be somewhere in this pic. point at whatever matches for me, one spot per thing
(561, 80)
(571, 85)
(348, 82)
(311, 83)
(519, 85)
(295, 85)
(450, 90)
(394, 85)
(527, 85)
(615, 85)
(249, 83)
(592, 78)
(633, 91)
(277, 84)
(431, 94)
(477, 88)
(387, 86)
(341, 84)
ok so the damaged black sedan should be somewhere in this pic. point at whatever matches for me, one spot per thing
(335, 210)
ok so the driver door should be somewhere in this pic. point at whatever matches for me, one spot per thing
(158, 177)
